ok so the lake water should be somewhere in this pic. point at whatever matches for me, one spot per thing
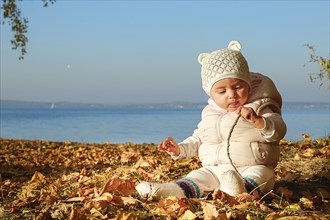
(133, 125)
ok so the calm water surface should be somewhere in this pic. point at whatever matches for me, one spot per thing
(133, 125)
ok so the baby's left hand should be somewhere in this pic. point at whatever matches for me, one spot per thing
(250, 116)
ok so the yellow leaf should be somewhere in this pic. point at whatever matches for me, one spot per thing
(129, 201)
(297, 157)
(98, 215)
(210, 211)
(37, 178)
(293, 208)
(7, 182)
(105, 197)
(130, 215)
(309, 152)
(183, 163)
(76, 199)
(144, 164)
(306, 203)
(188, 215)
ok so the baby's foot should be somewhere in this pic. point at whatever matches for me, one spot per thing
(147, 190)
(156, 191)
(232, 183)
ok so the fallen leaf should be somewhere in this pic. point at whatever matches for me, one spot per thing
(325, 151)
(111, 185)
(310, 152)
(188, 215)
(291, 176)
(307, 137)
(293, 208)
(97, 215)
(265, 208)
(126, 187)
(37, 178)
(245, 197)
(210, 211)
(76, 199)
(224, 197)
(129, 201)
(285, 192)
(306, 203)
(105, 197)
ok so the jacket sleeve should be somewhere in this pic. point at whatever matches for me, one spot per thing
(275, 127)
(189, 147)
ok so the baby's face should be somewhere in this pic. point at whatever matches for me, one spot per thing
(230, 93)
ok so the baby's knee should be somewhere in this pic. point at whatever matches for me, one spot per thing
(260, 178)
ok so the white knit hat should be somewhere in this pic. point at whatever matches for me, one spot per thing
(222, 64)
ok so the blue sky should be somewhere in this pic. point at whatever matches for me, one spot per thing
(146, 52)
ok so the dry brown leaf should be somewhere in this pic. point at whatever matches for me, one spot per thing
(126, 187)
(265, 208)
(224, 197)
(38, 178)
(285, 192)
(105, 197)
(307, 137)
(305, 144)
(168, 206)
(117, 200)
(111, 185)
(325, 151)
(310, 152)
(86, 191)
(70, 177)
(245, 197)
(100, 204)
(43, 195)
(244, 205)
(291, 176)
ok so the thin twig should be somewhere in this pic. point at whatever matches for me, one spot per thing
(228, 145)
(228, 154)
(270, 192)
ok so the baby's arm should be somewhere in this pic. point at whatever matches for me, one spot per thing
(170, 146)
(270, 124)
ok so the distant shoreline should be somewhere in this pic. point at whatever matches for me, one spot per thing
(13, 104)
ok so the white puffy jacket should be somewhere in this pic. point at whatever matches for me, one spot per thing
(248, 145)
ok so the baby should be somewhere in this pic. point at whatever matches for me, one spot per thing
(253, 143)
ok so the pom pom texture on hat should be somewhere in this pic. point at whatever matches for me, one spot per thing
(222, 64)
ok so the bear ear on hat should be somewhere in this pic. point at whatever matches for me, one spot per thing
(234, 45)
(201, 57)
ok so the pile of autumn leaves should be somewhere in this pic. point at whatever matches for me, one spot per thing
(65, 180)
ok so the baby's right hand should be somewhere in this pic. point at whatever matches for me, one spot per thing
(170, 146)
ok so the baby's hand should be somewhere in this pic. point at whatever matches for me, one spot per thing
(249, 115)
(170, 146)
